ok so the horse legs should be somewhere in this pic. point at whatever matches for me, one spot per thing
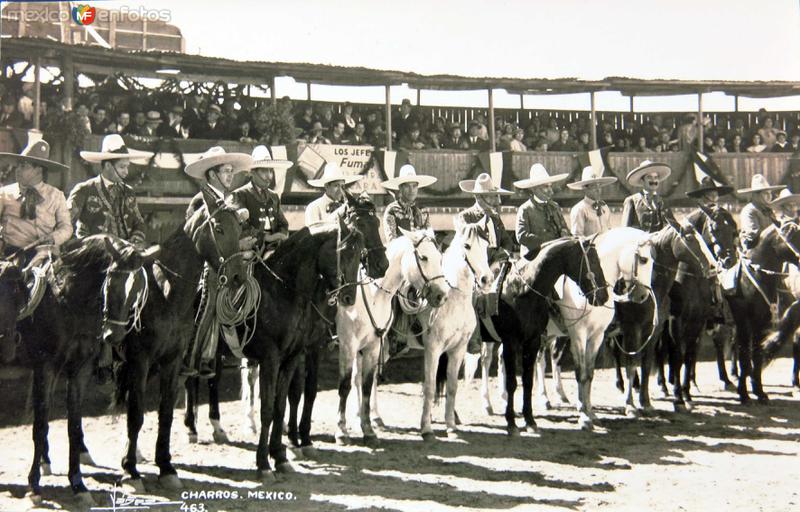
(248, 396)
(755, 376)
(310, 395)
(136, 384)
(276, 448)
(743, 339)
(40, 394)
(168, 387)
(542, 402)
(295, 394)
(661, 355)
(267, 380)
(555, 366)
(374, 414)
(453, 365)
(509, 356)
(431, 364)
(578, 349)
(75, 433)
(487, 355)
(192, 386)
(219, 434)
(720, 335)
(346, 359)
(369, 359)
(796, 358)
(529, 351)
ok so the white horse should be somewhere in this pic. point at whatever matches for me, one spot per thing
(448, 329)
(413, 259)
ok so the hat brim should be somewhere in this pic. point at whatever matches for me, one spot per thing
(421, 180)
(239, 161)
(634, 177)
(582, 184)
(319, 183)
(271, 164)
(468, 186)
(529, 183)
(771, 188)
(50, 165)
(721, 190)
(96, 157)
(793, 198)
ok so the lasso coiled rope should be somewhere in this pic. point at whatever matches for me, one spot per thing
(240, 306)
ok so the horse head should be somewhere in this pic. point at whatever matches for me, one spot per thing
(472, 247)
(635, 266)
(14, 293)
(686, 247)
(341, 268)
(360, 216)
(719, 233)
(125, 289)
(215, 231)
(587, 271)
(421, 265)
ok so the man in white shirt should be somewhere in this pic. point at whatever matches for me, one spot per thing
(323, 209)
(590, 215)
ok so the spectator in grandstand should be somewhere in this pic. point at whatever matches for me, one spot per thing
(434, 139)
(412, 139)
(174, 128)
(738, 129)
(474, 141)
(306, 121)
(720, 146)
(708, 144)
(756, 144)
(10, 116)
(195, 114)
(455, 140)
(736, 144)
(213, 128)
(440, 125)
(359, 136)
(768, 132)
(25, 103)
(687, 133)
(641, 145)
(781, 145)
(337, 135)
(121, 125)
(663, 141)
(564, 143)
(584, 144)
(531, 134)
(506, 136)
(795, 142)
(325, 117)
(620, 146)
(378, 136)
(552, 133)
(138, 123)
(99, 121)
(483, 132)
(244, 131)
(347, 118)
(82, 111)
(152, 125)
(516, 143)
(316, 136)
(403, 119)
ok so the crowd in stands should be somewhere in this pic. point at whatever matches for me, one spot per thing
(246, 119)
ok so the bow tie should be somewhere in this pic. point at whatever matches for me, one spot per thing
(29, 198)
(333, 206)
(598, 207)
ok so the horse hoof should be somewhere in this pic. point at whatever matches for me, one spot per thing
(457, 419)
(428, 437)
(296, 452)
(585, 423)
(192, 438)
(86, 459)
(139, 456)
(679, 406)
(85, 500)
(34, 499)
(285, 468)
(544, 405)
(342, 439)
(453, 434)
(45, 469)
(631, 412)
(171, 482)
(488, 410)
(220, 437)
(309, 452)
(689, 406)
(267, 477)
(763, 399)
(372, 441)
(133, 485)
(377, 423)
(729, 386)
(513, 431)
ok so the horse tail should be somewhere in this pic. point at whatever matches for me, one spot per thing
(121, 377)
(789, 323)
(441, 375)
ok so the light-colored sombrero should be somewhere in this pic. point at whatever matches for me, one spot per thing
(408, 174)
(647, 167)
(37, 153)
(262, 157)
(539, 176)
(114, 148)
(332, 172)
(590, 177)
(758, 183)
(217, 156)
(785, 197)
(482, 186)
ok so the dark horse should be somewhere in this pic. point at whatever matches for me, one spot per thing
(692, 304)
(754, 305)
(672, 245)
(524, 309)
(210, 235)
(313, 268)
(60, 337)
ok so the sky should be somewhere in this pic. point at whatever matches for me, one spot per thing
(678, 39)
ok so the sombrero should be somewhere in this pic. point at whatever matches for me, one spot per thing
(709, 185)
(786, 196)
(482, 186)
(634, 177)
(217, 156)
(262, 157)
(37, 153)
(114, 148)
(332, 172)
(408, 174)
(758, 183)
(589, 177)
(538, 176)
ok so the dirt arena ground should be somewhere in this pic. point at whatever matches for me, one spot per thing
(722, 456)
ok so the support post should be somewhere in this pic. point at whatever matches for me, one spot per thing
(308, 91)
(68, 73)
(593, 123)
(700, 122)
(388, 118)
(272, 94)
(37, 92)
(492, 141)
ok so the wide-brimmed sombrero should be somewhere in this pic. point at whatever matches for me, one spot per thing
(408, 174)
(483, 185)
(538, 176)
(113, 148)
(262, 157)
(785, 197)
(758, 183)
(647, 167)
(332, 172)
(217, 156)
(590, 177)
(37, 153)
(709, 185)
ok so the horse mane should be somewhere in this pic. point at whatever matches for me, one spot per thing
(299, 239)
(86, 253)
(9, 271)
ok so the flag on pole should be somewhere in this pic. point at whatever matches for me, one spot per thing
(703, 166)
(597, 158)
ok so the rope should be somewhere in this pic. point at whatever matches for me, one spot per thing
(37, 292)
(652, 330)
(240, 306)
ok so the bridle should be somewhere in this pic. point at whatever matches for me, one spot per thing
(685, 243)
(425, 279)
(791, 225)
(590, 275)
(633, 282)
(134, 318)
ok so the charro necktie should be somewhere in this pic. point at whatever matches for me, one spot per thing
(598, 207)
(30, 197)
(333, 206)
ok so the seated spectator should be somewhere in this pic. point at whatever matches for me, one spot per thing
(194, 115)
(244, 131)
(440, 125)
(781, 145)
(11, 117)
(516, 143)
(505, 137)
(325, 117)
(768, 133)
(620, 146)
(174, 128)
(564, 143)
(99, 120)
(138, 124)
(213, 128)
(641, 145)
(720, 146)
(316, 135)
(152, 125)
(483, 132)
(584, 144)
(552, 133)
(736, 144)
(434, 139)
(687, 132)
(795, 142)
(122, 124)
(708, 144)
(411, 140)
(25, 103)
(455, 140)
(474, 141)
(757, 146)
(378, 136)
(306, 121)
(663, 141)
(738, 129)
(402, 121)
(608, 140)
(82, 111)
(531, 135)
(359, 136)
(347, 118)
(337, 135)
(229, 112)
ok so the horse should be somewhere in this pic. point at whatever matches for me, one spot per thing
(290, 277)
(691, 301)
(58, 336)
(413, 259)
(15, 295)
(211, 235)
(754, 305)
(672, 245)
(448, 328)
(524, 309)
